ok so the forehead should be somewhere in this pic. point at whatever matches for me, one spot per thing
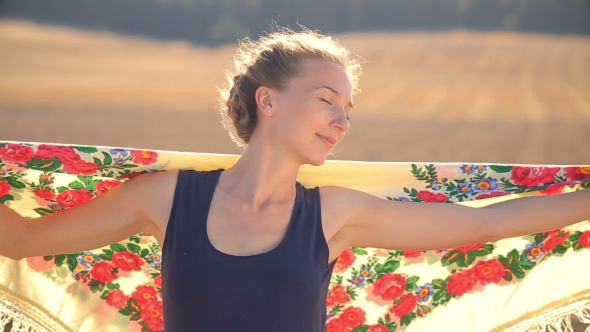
(320, 72)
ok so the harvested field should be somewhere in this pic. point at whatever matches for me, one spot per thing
(449, 96)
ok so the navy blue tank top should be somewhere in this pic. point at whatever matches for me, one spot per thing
(205, 289)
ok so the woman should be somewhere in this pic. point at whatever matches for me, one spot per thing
(248, 248)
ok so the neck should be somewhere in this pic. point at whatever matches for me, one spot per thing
(262, 176)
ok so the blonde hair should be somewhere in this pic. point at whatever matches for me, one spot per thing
(271, 61)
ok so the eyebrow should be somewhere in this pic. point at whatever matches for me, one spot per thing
(335, 92)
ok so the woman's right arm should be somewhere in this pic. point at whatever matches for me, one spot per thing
(139, 205)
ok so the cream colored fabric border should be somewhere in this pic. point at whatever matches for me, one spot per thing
(26, 316)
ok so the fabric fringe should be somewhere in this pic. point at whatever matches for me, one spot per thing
(557, 319)
(17, 315)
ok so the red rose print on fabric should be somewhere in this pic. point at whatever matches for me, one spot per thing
(585, 239)
(555, 240)
(44, 193)
(152, 313)
(556, 188)
(407, 304)
(337, 295)
(65, 154)
(390, 286)
(411, 253)
(4, 188)
(144, 294)
(492, 194)
(353, 317)
(144, 157)
(80, 167)
(127, 261)
(577, 173)
(470, 247)
(158, 281)
(460, 283)
(491, 271)
(533, 176)
(131, 175)
(377, 328)
(16, 154)
(345, 260)
(103, 272)
(73, 197)
(106, 185)
(117, 299)
(337, 325)
(431, 197)
(39, 264)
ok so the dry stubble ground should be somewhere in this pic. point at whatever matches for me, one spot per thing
(442, 97)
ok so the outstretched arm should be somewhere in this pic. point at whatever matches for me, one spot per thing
(142, 204)
(368, 221)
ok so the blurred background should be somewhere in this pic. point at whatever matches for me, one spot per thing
(445, 80)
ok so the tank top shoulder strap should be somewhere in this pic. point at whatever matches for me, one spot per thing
(190, 206)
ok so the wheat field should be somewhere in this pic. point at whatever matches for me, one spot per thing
(443, 97)
(447, 97)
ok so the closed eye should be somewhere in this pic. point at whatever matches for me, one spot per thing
(324, 100)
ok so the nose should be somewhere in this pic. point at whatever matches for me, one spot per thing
(341, 123)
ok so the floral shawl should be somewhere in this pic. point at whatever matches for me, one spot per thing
(519, 284)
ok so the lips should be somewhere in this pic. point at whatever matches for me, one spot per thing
(330, 141)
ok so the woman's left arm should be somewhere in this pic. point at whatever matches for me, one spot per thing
(368, 221)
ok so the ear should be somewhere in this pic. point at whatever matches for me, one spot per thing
(263, 97)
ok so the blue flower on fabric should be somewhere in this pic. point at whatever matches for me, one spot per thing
(358, 281)
(3, 172)
(464, 188)
(122, 152)
(424, 292)
(119, 161)
(435, 185)
(156, 258)
(467, 169)
(486, 184)
(534, 251)
(404, 199)
(56, 207)
(366, 272)
(87, 259)
(481, 168)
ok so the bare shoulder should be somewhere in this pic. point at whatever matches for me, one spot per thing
(338, 204)
(153, 194)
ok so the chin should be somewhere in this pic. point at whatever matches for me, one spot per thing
(318, 160)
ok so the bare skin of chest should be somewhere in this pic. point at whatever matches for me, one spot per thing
(239, 231)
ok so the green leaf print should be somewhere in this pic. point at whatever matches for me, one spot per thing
(133, 247)
(6, 198)
(85, 149)
(500, 168)
(118, 247)
(15, 183)
(359, 251)
(44, 165)
(107, 158)
(43, 211)
(76, 185)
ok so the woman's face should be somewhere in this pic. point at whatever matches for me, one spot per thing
(310, 116)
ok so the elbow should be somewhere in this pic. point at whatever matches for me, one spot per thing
(12, 246)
